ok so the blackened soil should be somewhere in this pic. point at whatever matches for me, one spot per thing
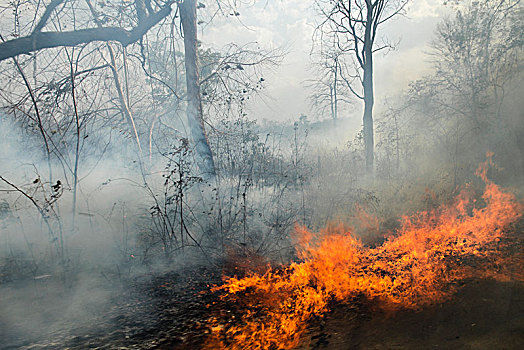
(482, 315)
(166, 311)
(171, 310)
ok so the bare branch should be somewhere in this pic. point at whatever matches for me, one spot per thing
(47, 13)
(42, 40)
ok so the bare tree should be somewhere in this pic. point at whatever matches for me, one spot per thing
(477, 65)
(126, 25)
(475, 55)
(353, 26)
(329, 91)
(204, 157)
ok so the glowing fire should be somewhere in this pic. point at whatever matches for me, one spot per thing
(414, 267)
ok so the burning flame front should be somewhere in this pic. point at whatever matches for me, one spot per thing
(417, 266)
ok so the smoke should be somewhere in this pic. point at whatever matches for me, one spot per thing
(70, 240)
(58, 274)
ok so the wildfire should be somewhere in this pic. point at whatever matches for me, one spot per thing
(416, 266)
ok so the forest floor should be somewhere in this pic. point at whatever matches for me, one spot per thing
(170, 310)
(482, 315)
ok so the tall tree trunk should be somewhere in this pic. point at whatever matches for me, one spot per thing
(203, 155)
(335, 87)
(332, 101)
(369, 101)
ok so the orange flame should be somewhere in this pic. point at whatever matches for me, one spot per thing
(416, 266)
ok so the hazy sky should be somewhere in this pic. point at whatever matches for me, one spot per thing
(290, 24)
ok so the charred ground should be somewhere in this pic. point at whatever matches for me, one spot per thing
(173, 311)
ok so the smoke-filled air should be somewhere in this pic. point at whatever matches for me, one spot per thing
(261, 174)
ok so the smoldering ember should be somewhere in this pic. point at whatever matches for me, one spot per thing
(261, 174)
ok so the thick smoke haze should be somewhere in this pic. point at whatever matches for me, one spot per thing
(136, 174)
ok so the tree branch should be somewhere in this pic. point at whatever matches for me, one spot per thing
(43, 40)
(47, 13)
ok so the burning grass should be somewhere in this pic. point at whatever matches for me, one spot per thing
(418, 265)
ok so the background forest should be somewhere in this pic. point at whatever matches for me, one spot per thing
(129, 146)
